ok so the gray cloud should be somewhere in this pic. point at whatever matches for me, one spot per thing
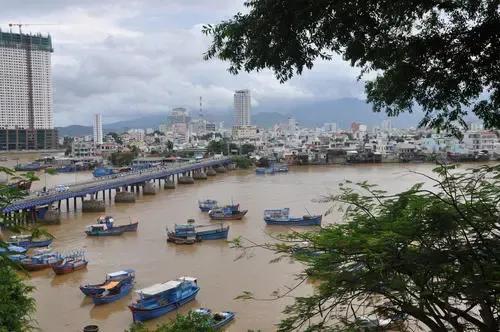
(125, 58)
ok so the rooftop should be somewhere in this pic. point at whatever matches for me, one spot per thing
(16, 40)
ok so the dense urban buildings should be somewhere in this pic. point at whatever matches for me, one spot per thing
(97, 129)
(26, 114)
(242, 107)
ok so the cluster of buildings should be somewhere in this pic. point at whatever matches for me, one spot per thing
(26, 123)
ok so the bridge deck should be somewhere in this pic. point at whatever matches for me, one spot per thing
(111, 182)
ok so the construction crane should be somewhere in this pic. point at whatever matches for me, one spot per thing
(20, 25)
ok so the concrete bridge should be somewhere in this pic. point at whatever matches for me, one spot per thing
(24, 209)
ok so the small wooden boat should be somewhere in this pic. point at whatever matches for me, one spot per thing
(207, 205)
(103, 230)
(115, 293)
(160, 299)
(219, 319)
(110, 222)
(27, 241)
(69, 265)
(181, 240)
(229, 212)
(282, 217)
(111, 281)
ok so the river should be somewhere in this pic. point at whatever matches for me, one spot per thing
(62, 307)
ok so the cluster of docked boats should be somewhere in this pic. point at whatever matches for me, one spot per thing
(275, 168)
(190, 233)
(105, 226)
(282, 217)
(154, 301)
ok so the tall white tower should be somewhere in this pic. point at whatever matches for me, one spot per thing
(242, 107)
(26, 114)
(97, 129)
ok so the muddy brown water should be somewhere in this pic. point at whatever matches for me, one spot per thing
(62, 307)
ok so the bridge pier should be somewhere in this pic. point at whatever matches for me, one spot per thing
(93, 205)
(211, 172)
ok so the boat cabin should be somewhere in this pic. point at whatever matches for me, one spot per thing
(159, 289)
(97, 227)
(277, 213)
(118, 275)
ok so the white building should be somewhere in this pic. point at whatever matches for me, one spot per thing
(26, 92)
(97, 129)
(245, 133)
(242, 107)
(330, 127)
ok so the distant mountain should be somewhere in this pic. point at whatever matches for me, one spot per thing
(74, 130)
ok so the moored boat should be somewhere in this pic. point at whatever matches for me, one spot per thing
(110, 222)
(70, 264)
(218, 319)
(103, 171)
(199, 232)
(41, 260)
(282, 217)
(111, 281)
(113, 294)
(207, 205)
(27, 241)
(229, 212)
(103, 230)
(160, 299)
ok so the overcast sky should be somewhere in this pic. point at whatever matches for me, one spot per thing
(124, 58)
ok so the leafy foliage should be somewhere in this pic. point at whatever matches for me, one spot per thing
(441, 54)
(192, 322)
(122, 158)
(429, 255)
(242, 162)
(16, 306)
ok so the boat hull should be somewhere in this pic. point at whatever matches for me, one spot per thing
(142, 314)
(236, 216)
(213, 234)
(312, 221)
(32, 244)
(68, 268)
(37, 266)
(103, 299)
(180, 240)
(110, 232)
(91, 290)
(225, 321)
(132, 227)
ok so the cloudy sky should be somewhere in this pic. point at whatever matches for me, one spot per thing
(124, 58)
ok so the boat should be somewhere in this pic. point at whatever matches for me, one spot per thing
(111, 281)
(218, 319)
(181, 240)
(27, 241)
(229, 212)
(122, 288)
(280, 168)
(103, 230)
(207, 205)
(102, 171)
(70, 264)
(35, 166)
(160, 299)
(199, 232)
(110, 222)
(41, 259)
(282, 217)
(264, 170)
(14, 253)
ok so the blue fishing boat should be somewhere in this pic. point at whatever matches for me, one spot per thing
(228, 212)
(160, 299)
(73, 262)
(27, 241)
(110, 223)
(218, 319)
(41, 259)
(207, 205)
(14, 253)
(103, 230)
(115, 293)
(199, 232)
(282, 217)
(112, 280)
(280, 168)
(35, 166)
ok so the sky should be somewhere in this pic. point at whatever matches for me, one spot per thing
(127, 58)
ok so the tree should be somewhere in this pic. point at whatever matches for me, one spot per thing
(217, 147)
(16, 305)
(116, 138)
(439, 54)
(192, 322)
(122, 158)
(429, 255)
(242, 162)
(247, 148)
